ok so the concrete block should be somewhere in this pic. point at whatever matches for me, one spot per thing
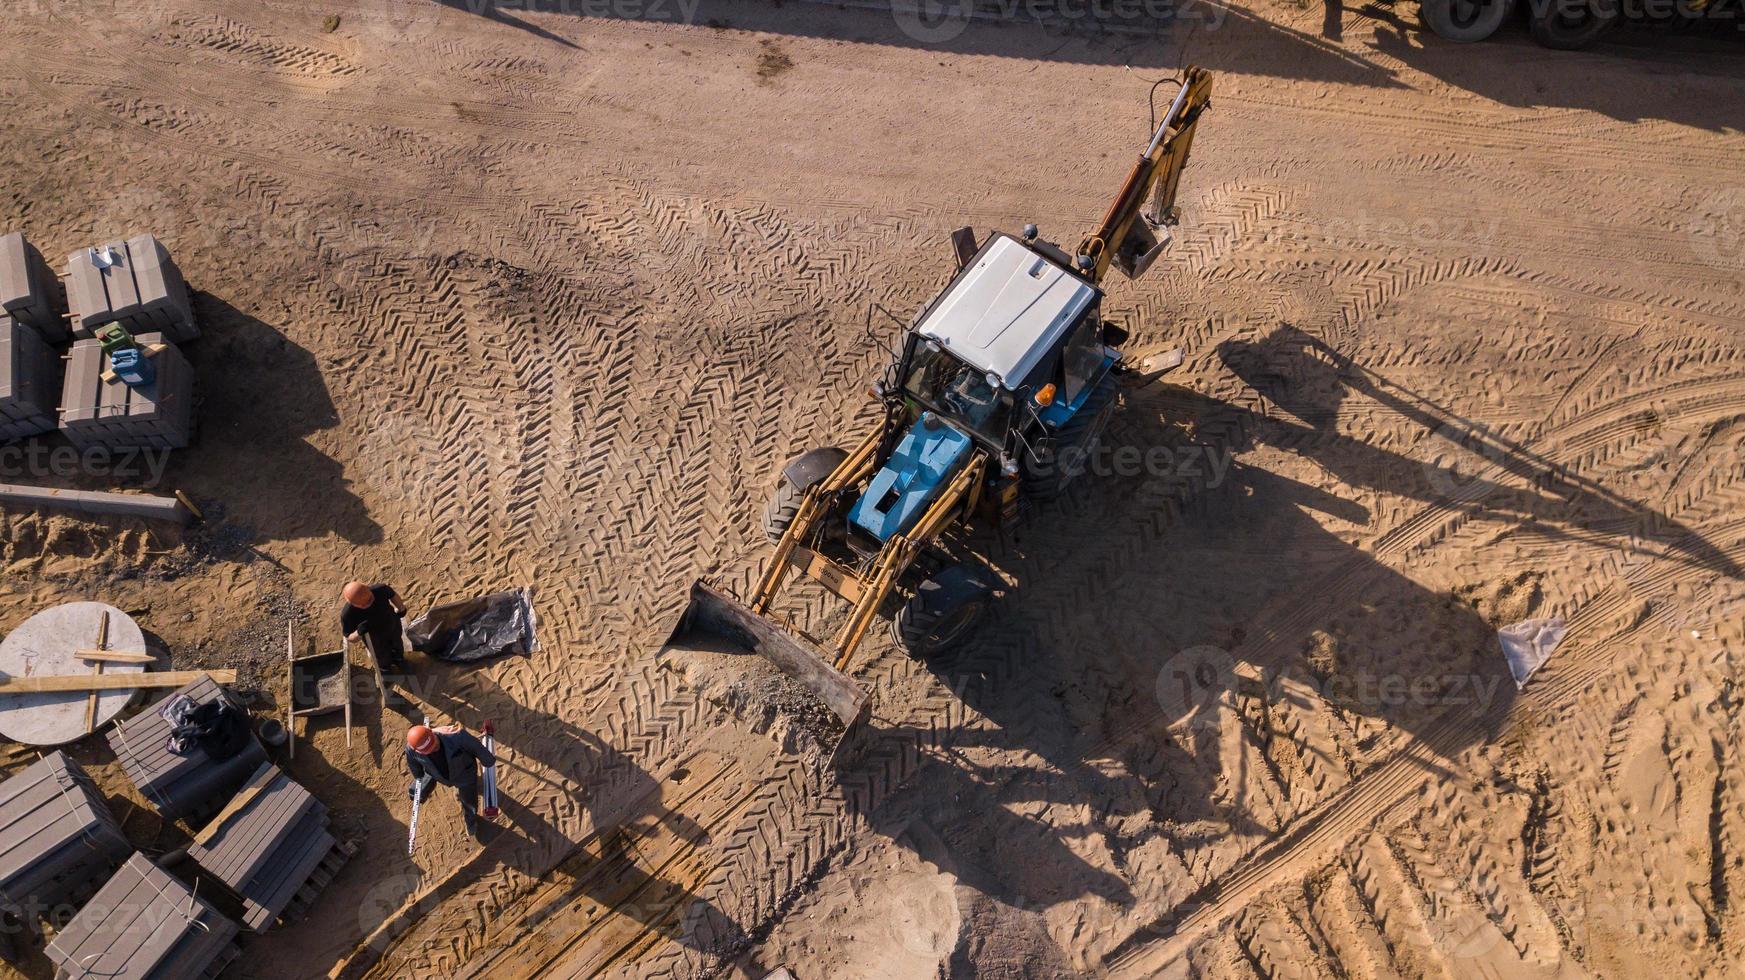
(29, 292)
(110, 413)
(135, 283)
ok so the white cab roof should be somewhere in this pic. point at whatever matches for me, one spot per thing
(1007, 311)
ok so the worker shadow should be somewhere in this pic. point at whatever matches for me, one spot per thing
(1196, 647)
(598, 857)
(259, 396)
(541, 745)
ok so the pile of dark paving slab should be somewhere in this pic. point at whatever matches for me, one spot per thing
(261, 843)
(132, 284)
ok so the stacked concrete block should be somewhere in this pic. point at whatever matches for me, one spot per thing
(270, 848)
(98, 412)
(29, 292)
(187, 783)
(134, 283)
(144, 925)
(30, 381)
(58, 839)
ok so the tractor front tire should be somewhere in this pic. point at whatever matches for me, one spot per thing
(801, 474)
(1463, 21)
(781, 508)
(1046, 479)
(943, 612)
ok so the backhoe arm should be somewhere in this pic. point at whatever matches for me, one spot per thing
(1127, 237)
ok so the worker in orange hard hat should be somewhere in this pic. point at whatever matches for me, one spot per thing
(373, 613)
(450, 756)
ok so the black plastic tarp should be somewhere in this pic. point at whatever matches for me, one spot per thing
(493, 625)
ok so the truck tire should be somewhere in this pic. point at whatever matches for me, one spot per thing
(1046, 479)
(1463, 21)
(1565, 25)
(943, 612)
(801, 474)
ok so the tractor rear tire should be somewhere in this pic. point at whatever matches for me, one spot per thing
(1464, 21)
(1046, 479)
(943, 612)
(1566, 25)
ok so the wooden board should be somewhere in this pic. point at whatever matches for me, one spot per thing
(110, 682)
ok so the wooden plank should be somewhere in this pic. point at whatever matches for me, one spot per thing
(117, 657)
(291, 689)
(257, 782)
(109, 682)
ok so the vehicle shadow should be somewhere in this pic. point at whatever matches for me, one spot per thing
(1196, 649)
(1242, 39)
(1141, 34)
(1613, 76)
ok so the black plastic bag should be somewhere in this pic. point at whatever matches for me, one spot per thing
(494, 625)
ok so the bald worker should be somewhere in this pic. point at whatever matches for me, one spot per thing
(373, 613)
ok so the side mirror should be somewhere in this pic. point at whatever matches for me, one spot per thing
(963, 240)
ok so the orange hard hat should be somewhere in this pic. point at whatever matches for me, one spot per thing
(420, 739)
(358, 594)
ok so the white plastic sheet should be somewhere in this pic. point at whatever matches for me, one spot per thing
(1528, 644)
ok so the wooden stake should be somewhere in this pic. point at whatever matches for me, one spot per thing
(91, 700)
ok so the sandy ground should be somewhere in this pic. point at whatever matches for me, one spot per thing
(545, 298)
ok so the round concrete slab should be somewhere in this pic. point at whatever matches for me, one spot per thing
(48, 643)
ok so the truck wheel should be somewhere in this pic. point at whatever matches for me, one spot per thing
(1047, 478)
(942, 613)
(1566, 25)
(1464, 21)
(801, 474)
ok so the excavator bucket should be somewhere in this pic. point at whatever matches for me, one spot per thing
(715, 625)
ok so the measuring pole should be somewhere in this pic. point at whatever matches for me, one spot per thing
(490, 790)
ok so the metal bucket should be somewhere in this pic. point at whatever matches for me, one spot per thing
(719, 623)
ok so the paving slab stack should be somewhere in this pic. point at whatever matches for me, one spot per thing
(144, 925)
(268, 848)
(29, 292)
(182, 784)
(30, 326)
(111, 413)
(134, 283)
(58, 839)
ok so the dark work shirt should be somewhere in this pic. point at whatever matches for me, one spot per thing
(454, 761)
(379, 622)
